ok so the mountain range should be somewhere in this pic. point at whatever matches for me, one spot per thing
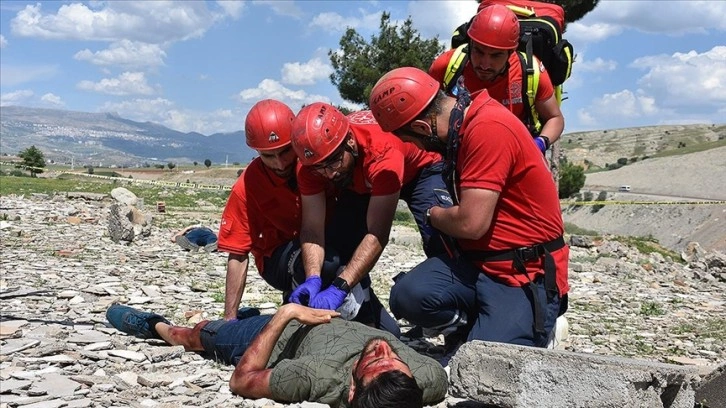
(105, 139)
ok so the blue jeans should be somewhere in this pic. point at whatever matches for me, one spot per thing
(226, 341)
(201, 236)
(442, 293)
(423, 192)
(437, 293)
(284, 269)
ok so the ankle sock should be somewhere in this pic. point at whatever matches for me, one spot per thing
(152, 325)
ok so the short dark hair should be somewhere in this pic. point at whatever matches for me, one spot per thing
(392, 389)
(434, 108)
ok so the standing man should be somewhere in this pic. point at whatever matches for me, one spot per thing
(302, 354)
(490, 61)
(510, 283)
(368, 170)
(262, 215)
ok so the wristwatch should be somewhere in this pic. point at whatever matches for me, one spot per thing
(547, 141)
(341, 284)
(427, 217)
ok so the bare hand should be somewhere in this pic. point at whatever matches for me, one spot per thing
(308, 315)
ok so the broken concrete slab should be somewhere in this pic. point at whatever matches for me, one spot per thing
(711, 391)
(502, 375)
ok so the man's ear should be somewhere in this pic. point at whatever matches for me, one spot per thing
(421, 127)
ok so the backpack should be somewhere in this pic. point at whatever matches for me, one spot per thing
(540, 35)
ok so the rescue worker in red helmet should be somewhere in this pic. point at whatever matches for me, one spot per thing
(262, 214)
(369, 171)
(510, 283)
(494, 64)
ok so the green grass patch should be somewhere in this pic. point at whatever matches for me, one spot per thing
(172, 196)
(713, 327)
(692, 148)
(649, 245)
(651, 309)
(404, 217)
(573, 229)
(218, 297)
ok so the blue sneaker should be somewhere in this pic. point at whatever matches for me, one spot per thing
(134, 322)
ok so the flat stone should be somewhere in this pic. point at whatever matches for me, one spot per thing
(89, 379)
(80, 403)
(11, 328)
(154, 380)
(128, 355)
(12, 386)
(128, 378)
(56, 359)
(103, 345)
(88, 337)
(55, 385)
(158, 354)
(14, 345)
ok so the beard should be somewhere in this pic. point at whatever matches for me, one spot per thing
(434, 145)
(344, 180)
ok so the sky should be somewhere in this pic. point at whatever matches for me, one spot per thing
(201, 65)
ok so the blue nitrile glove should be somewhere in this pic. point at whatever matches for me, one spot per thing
(541, 143)
(304, 293)
(331, 298)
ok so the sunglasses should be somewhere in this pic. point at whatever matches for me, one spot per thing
(333, 164)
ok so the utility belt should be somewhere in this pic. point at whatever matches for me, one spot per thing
(519, 257)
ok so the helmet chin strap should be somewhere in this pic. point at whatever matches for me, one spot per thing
(350, 150)
(434, 136)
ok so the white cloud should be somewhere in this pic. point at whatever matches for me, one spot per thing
(11, 75)
(432, 18)
(128, 83)
(53, 100)
(581, 33)
(269, 88)
(679, 88)
(283, 8)
(686, 81)
(16, 98)
(308, 73)
(335, 23)
(583, 70)
(621, 108)
(233, 9)
(3, 41)
(671, 18)
(164, 112)
(148, 21)
(596, 65)
(125, 53)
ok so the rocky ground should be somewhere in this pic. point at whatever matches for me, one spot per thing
(60, 271)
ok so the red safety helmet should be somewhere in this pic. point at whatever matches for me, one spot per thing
(269, 125)
(495, 26)
(317, 131)
(401, 95)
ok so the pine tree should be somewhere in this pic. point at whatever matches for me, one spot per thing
(33, 160)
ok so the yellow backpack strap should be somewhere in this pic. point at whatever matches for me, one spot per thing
(455, 67)
(521, 11)
(531, 90)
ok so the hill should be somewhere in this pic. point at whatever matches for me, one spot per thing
(103, 139)
(665, 180)
(603, 147)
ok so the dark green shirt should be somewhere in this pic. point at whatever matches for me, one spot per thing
(314, 363)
